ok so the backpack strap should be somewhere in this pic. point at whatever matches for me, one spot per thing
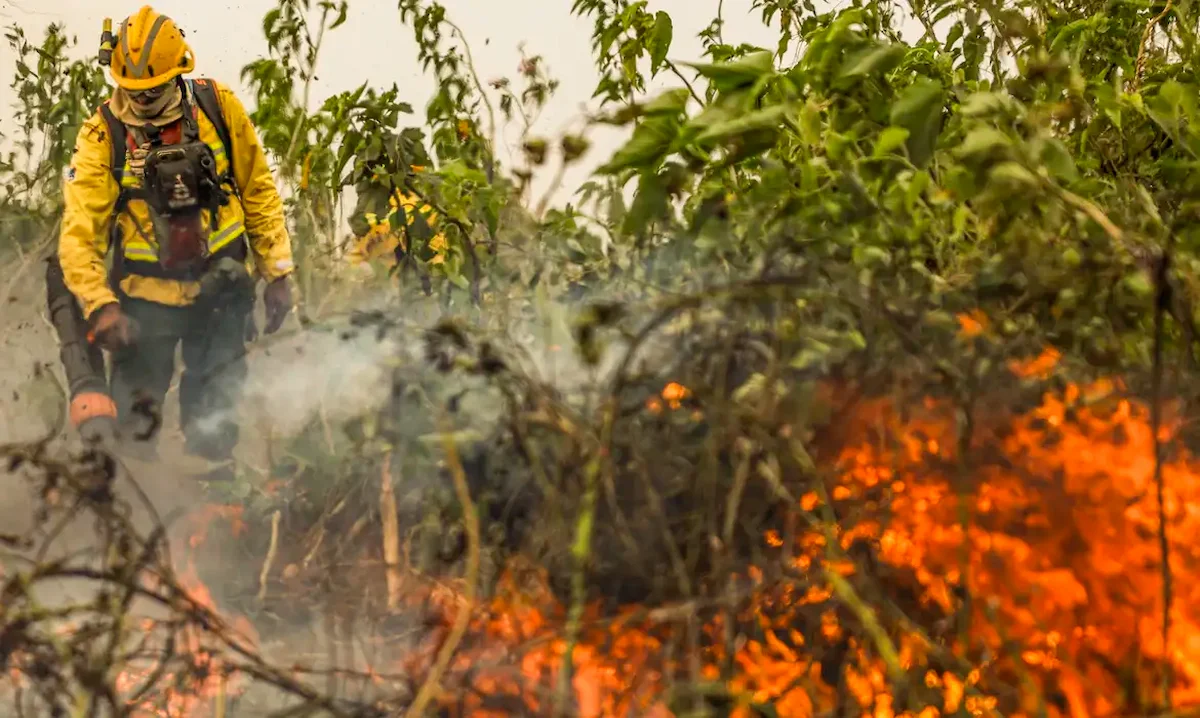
(204, 92)
(120, 137)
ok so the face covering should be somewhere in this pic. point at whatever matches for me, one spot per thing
(137, 109)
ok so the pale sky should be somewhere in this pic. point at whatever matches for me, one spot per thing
(374, 46)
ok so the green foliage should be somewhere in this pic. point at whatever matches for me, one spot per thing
(625, 34)
(51, 97)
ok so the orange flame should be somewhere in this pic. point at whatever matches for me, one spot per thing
(1058, 552)
(1048, 525)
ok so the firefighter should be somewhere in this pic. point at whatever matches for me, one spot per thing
(376, 242)
(169, 180)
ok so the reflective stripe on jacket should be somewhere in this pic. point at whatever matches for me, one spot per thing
(90, 195)
(138, 251)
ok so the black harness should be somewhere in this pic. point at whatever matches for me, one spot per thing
(180, 180)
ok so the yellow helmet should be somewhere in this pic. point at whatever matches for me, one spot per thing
(150, 50)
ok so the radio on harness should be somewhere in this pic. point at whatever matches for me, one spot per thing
(178, 182)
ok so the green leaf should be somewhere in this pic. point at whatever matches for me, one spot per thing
(755, 386)
(955, 34)
(660, 40)
(648, 204)
(1172, 92)
(270, 19)
(1072, 258)
(810, 357)
(987, 104)
(669, 102)
(750, 144)
(341, 18)
(419, 235)
(962, 215)
(983, 141)
(866, 255)
(743, 72)
(919, 110)
(457, 279)
(1013, 175)
(768, 118)
(872, 60)
(1174, 109)
(398, 220)
(709, 117)
(1149, 206)
(651, 140)
(1139, 284)
(1058, 160)
(916, 187)
(889, 141)
(811, 123)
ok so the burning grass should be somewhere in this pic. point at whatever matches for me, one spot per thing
(929, 562)
(1020, 581)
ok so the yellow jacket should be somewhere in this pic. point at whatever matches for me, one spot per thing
(90, 194)
(379, 242)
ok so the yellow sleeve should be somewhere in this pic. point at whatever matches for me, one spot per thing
(265, 221)
(438, 241)
(89, 196)
(357, 254)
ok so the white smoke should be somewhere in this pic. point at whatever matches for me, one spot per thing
(345, 375)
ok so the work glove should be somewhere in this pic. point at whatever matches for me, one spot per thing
(277, 298)
(137, 161)
(111, 328)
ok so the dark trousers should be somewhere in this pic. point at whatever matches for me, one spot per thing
(214, 361)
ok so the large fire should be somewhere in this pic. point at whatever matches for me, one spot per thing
(1038, 552)
(1052, 536)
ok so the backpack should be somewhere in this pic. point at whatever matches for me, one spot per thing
(204, 94)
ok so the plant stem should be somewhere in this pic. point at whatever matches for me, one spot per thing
(482, 95)
(391, 533)
(580, 553)
(306, 92)
(463, 618)
(270, 559)
(1140, 68)
(1162, 300)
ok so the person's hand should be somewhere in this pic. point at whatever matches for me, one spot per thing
(111, 328)
(277, 298)
(137, 161)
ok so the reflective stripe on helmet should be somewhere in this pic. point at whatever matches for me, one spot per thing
(138, 70)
